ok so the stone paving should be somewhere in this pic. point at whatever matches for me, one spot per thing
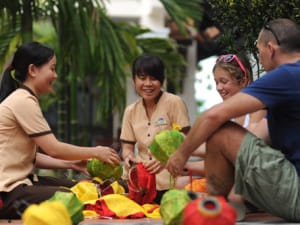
(251, 219)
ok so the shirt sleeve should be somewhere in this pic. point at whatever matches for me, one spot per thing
(275, 88)
(127, 132)
(30, 117)
(180, 113)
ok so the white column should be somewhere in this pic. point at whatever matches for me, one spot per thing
(188, 93)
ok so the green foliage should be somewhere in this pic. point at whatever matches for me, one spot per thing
(241, 20)
(94, 53)
(183, 11)
(113, 48)
(8, 39)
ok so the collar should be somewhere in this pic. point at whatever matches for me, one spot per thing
(28, 89)
(156, 100)
(158, 97)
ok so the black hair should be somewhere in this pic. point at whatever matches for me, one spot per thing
(149, 64)
(16, 73)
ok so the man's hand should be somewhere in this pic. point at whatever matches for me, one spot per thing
(176, 163)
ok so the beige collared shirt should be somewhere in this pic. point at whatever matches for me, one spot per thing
(137, 128)
(20, 119)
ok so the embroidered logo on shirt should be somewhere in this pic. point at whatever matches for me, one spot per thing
(160, 121)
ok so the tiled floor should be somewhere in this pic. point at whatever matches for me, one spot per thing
(251, 219)
(263, 218)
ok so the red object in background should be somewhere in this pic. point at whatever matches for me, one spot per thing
(209, 211)
(141, 185)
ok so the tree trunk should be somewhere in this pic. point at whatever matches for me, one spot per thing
(26, 21)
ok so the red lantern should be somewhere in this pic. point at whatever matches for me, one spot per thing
(209, 211)
(141, 184)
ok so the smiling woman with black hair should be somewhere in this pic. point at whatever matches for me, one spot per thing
(156, 110)
(23, 129)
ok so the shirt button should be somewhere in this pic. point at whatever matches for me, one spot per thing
(149, 124)
(148, 135)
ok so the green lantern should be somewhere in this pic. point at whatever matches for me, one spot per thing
(72, 203)
(165, 143)
(98, 168)
(172, 206)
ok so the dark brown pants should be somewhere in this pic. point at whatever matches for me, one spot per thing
(16, 201)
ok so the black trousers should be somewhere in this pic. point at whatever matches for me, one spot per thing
(159, 196)
(17, 200)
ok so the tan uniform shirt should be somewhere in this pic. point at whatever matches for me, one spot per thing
(20, 119)
(137, 128)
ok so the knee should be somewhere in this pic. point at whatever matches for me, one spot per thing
(226, 135)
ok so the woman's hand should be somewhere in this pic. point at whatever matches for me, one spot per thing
(129, 161)
(108, 155)
(44, 161)
(79, 165)
(128, 155)
(154, 166)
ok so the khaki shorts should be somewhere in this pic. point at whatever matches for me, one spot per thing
(265, 178)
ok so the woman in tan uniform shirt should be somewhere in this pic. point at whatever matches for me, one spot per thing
(156, 110)
(23, 129)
